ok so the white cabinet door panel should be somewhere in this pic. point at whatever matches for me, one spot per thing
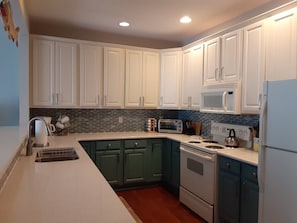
(91, 71)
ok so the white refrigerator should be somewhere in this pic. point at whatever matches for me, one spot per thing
(277, 169)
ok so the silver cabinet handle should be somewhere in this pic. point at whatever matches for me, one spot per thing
(98, 99)
(161, 100)
(260, 100)
(104, 100)
(221, 74)
(216, 73)
(136, 144)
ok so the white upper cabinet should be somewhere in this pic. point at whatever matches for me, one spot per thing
(170, 78)
(43, 72)
(212, 61)
(66, 73)
(192, 74)
(222, 59)
(91, 75)
(142, 79)
(54, 73)
(253, 67)
(114, 71)
(231, 56)
(281, 46)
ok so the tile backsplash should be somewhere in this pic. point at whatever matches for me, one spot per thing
(108, 120)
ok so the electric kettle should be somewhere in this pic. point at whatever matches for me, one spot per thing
(232, 140)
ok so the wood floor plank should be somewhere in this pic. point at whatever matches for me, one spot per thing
(157, 205)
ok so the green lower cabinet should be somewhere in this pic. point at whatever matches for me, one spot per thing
(171, 165)
(136, 160)
(125, 163)
(110, 165)
(238, 192)
(249, 194)
(109, 160)
(90, 148)
(155, 160)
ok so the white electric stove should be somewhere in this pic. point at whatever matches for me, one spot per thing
(198, 160)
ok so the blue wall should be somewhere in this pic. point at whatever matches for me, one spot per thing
(14, 71)
(9, 84)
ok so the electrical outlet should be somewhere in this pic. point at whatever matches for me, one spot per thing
(121, 119)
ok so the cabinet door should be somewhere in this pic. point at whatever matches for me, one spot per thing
(155, 167)
(91, 75)
(231, 56)
(249, 194)
(110, 165)
(170, 79)
(212, 61)
(175, 166)
(229, 197)
(166, 161)
(133, 81)
(253, 67)
(135, 164)
(229, 190)
(151, 79)
(66, 75)
(281, 46)
(192, 77)
(43, 72)
(90, 148)
(114, 69)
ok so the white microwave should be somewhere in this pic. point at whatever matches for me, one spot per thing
(222, 100)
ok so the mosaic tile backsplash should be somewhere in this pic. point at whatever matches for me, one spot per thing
(107, 120)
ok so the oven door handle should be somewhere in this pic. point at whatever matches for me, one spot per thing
(207, 158)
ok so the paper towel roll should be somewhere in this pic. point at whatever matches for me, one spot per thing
(40, 133)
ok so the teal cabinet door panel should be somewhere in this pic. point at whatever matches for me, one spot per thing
(238, 192)
(175, 164)
(249, 194)
(229, 197)
(155, 160)
(89, 147)
(110, 165)
(135, 161)
(166, 161)
(171, 165)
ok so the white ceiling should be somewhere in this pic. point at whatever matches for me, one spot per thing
(153, 19)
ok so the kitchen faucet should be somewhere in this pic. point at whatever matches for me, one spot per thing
(29, 151)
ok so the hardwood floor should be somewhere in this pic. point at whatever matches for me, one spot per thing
(157, 205)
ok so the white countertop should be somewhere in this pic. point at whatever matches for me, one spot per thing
(69, 191)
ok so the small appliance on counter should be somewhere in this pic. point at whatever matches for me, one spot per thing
(151, 125)
(41, 133)
(170, 126)
(62, 125)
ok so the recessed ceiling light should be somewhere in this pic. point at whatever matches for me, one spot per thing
(124, 24)
(185, 19)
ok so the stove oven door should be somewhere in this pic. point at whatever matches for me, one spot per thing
(198, 173)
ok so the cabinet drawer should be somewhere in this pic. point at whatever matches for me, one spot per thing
(249, 172)
(109, 144)
(229, 165)
(135, 143)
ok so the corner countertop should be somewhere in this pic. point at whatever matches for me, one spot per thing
(69, 191)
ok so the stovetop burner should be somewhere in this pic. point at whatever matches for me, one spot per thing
(214, 147)
(210, 141)
(195, 142)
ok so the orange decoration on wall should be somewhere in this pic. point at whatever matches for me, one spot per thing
(7, 19)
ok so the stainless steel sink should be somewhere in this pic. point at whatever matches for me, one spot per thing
(56, 154)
